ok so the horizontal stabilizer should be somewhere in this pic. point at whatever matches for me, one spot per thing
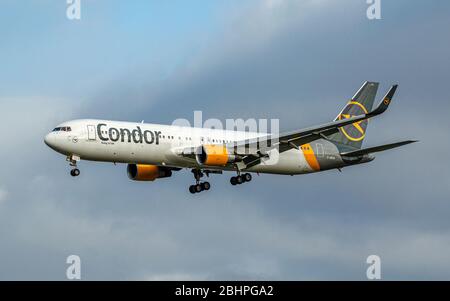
(376, 149)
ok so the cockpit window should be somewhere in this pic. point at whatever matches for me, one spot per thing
(63, 129)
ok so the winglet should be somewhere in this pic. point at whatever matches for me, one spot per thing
(384, 104)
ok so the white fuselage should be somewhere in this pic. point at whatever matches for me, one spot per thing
(154, 144)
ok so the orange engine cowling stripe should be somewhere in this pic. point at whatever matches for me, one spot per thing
(310, 157)
(217, 155)
(147, 172)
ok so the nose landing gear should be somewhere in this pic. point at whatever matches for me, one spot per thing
(198, 187)
(75, 172)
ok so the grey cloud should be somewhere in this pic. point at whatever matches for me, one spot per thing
(3, 194)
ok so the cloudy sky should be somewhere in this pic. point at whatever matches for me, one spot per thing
(298, 61)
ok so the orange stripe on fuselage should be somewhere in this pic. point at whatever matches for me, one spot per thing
(310, 157)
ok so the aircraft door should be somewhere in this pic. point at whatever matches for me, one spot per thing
(91, 132)
(320, 152)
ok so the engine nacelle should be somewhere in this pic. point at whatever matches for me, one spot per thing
(215, 155)
(141, 172)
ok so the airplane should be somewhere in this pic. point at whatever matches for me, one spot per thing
(154, 151)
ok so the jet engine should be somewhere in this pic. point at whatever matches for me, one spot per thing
(215, 155)
(141, 172)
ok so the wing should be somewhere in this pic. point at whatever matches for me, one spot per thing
(253, 150)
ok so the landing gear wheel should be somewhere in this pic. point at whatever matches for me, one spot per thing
(192, 189)
(233, 181)
(206, 186)
(247, 177)
(198, 188)
(239, 180)
(75, 172)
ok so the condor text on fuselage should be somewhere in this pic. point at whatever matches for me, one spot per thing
(126, 135)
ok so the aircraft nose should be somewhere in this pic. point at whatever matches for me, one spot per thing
(48, 139)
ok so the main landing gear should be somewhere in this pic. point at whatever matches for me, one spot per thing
(75, 172)
(241, 179)
(198, 187)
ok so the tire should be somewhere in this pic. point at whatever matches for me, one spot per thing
(247, 177)
(233, 181)
(239, 180)
(206, 186)
(75, 172)
(198, 188)
(192, 189)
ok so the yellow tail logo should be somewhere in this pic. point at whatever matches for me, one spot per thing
(356, 131)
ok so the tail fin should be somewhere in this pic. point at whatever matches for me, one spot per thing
(352, 136)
